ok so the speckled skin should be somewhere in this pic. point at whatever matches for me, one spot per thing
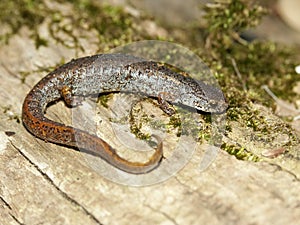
(109, 73)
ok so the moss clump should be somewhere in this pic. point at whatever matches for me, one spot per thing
(227, 19)
(138, 119)
(113, 26)
(16, 14)
(256, 61)
(242, 67)
(103, 100)
(240, 153)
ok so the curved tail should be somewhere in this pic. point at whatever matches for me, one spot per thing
(48, 130)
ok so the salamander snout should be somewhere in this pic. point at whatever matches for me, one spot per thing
(209, 98)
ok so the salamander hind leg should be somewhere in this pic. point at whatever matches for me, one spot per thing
(164, 105)
(70, 99)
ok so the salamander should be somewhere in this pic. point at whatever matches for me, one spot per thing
(105, 73)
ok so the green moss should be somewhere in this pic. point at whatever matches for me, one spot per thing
(103, 100)
(257, 63)
(16, 14)
(227, 18)
(40, 41)
(240, 153)
(183, 122)
(175, 123)
(113, 26)
(138, 119)
(218, 42)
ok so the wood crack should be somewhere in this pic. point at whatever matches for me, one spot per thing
(10, 209)
(64, 194)
(5, 203)
(15, 219)
(167, 216)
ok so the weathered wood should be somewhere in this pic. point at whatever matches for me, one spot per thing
(42, 183)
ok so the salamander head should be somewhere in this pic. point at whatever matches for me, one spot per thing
(204, 97)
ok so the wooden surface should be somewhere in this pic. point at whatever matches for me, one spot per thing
(42, 183)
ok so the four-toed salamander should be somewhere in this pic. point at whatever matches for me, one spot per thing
(112, 73)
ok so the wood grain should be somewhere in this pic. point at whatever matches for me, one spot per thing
(42, 183)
